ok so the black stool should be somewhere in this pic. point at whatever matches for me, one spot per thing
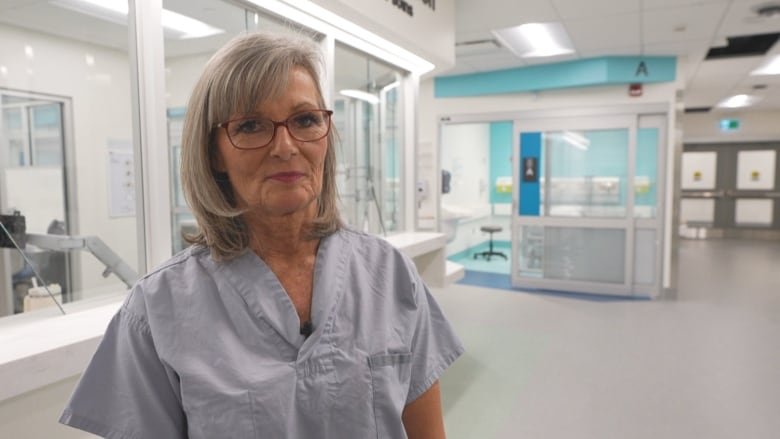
(489, 253)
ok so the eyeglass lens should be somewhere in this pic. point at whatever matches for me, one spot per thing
(256, 132)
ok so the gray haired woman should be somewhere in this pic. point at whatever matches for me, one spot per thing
(279, 321)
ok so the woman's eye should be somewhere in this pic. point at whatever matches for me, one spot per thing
(250, 126)
(306, 120)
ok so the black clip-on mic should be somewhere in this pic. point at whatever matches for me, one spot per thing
(306, 329)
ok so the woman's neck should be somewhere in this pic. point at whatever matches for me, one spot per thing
(282, 237)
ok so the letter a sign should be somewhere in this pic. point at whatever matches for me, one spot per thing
(641, 69)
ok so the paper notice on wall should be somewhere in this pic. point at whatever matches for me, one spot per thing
(121, 174)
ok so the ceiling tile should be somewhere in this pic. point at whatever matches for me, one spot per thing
(604, 32)
(473, 15)
(683, 23)
(495, 61)
(742, 20)
(574, 9)
(610, 51)
(663, 4)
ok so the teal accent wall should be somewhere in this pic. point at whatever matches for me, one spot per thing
(590, 72)
(500, 159)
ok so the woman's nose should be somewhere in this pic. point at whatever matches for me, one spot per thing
(283, 144)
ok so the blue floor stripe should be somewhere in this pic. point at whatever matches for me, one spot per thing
(504, 282)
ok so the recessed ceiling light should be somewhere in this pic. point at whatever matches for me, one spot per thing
(739, 101)
(771, 67)
(533, 40)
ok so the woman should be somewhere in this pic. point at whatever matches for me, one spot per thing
(278, 322)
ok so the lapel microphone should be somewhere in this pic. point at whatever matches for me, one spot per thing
(306, 329)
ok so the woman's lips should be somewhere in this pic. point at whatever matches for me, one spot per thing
(286, 177)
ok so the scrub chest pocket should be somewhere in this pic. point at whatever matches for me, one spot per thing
(390, 376)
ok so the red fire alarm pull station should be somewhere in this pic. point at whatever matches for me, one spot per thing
(635, 90)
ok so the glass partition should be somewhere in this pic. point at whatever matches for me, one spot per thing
(66, 154)
(368, 118)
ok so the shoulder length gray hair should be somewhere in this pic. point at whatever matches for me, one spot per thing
(249, 69)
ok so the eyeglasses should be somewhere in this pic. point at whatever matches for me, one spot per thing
(255, 132)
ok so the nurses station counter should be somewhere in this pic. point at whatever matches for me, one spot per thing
(427, 250)
(45, 347)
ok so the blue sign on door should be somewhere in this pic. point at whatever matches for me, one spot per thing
(530, 157)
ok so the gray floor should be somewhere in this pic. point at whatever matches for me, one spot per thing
(706, 365)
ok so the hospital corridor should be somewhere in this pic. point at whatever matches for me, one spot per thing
(407, 219)
(703, 365)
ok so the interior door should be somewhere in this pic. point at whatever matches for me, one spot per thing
(586, 206)
(731, 187)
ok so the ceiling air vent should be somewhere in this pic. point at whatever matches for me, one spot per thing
(698, 109)
(746, 45)
(475, 47)
(769, 10)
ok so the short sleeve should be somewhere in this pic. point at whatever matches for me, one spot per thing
(435, 346)
(127, 392)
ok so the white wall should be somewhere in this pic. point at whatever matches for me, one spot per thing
(755, 126)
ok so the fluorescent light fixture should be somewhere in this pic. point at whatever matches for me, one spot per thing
(390, 86)
(771, 67)
(188, 27)
(576, 140)
(363, 96)
(738, 101)
(311, 15)
(533, 40)
(116, 11)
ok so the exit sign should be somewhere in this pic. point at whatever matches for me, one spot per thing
(729, 125)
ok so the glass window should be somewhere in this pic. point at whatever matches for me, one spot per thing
(66, 155)
(587, 173)
(368, 116)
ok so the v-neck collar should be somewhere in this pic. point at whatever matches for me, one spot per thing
(267, 299)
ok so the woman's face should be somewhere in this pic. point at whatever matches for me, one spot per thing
(284, 177)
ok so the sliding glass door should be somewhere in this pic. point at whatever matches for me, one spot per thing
(586, 214)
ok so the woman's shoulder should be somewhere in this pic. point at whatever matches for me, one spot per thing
(193, 255)
(368, 244)
(181, 274)
(376, 253)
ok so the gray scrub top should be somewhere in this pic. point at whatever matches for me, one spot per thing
(202, 349)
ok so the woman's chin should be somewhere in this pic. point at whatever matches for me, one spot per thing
(286, 206)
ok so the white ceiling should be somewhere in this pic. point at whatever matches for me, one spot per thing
(685, 28)
(354, 70)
